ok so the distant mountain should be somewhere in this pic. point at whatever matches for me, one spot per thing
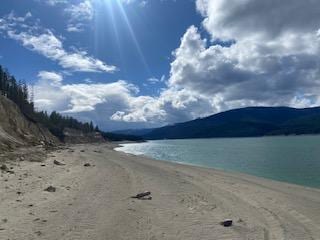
(245, 122)
(134, 132)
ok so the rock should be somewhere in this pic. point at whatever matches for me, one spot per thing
(82, 151)
(143, 196)
(87, 165)
(227, 223)
(4, 220)
(50, 189)
(4, 168)
(58, 163)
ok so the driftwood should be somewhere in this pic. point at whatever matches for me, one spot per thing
(143, 195)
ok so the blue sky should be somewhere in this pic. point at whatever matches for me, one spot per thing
(139, 53)
(148, 63)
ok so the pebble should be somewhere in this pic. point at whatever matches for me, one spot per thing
(50, 189)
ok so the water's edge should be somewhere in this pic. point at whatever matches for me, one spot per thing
(303, 181)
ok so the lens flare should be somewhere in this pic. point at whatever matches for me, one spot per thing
(113, 7)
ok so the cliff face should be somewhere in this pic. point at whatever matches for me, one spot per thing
(16, 130)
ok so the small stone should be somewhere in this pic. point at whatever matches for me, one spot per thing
(4, 168)
(58, 163)
(227, 223)
(50, 189)
(87, 165)
(4, 220)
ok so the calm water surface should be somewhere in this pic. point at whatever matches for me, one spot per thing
(293, 159)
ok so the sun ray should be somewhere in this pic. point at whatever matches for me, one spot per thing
(116, 7)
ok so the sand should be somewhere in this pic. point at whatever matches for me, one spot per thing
(187, 202)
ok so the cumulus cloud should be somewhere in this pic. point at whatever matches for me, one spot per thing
(55, 78)
(118, 104)
(273, 58)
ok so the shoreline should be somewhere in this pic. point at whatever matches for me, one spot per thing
(232, 172)
(188, 202)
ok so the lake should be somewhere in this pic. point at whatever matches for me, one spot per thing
(293, 159)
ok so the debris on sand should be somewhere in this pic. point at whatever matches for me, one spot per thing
(50, 189)
(4, 168)
(227, 223)
(87, 165)
(143, 196)
(58, 163)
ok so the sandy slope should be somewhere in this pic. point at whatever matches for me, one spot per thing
(188, 202)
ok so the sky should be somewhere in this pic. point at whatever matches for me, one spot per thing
(147, 63)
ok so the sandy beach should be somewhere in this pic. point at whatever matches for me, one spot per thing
(93, 201)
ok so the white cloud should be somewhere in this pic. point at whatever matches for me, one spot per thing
(117, 105)
(79, 15)
(53, 2)
(273, 58)
(44, 42)
(55, 78)
(154, 80)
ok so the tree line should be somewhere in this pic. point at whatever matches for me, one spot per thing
(18, 92)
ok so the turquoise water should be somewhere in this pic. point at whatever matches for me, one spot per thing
(293, 159)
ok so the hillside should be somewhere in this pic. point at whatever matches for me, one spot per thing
(245, 122)
(16, 130)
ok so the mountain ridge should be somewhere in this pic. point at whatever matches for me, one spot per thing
(244, 122)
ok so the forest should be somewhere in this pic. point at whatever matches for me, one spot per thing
(20, 93)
